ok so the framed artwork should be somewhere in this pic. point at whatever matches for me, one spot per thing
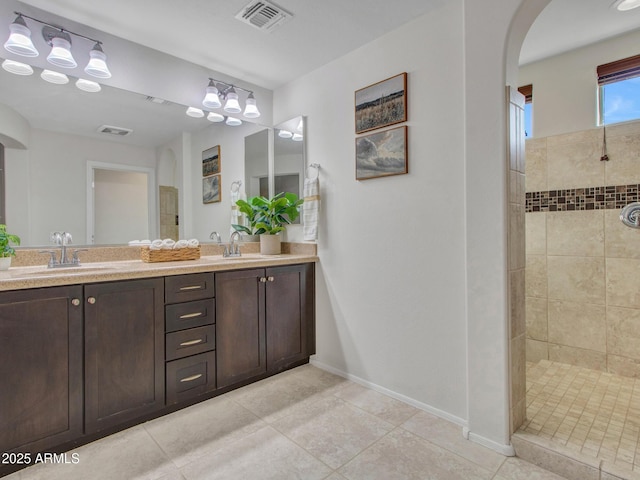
(381, 154)
(211, 161)
(211, 189)
(381, 104)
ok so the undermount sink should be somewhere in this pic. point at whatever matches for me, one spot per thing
(80, 269)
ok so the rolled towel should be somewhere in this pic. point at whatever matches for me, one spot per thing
(156, 245)
(145, 243)
(168, 243)
(181, 244)
(134, 243)
(193, 243)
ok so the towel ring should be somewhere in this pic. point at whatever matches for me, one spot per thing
(313, 171)
(235, 186)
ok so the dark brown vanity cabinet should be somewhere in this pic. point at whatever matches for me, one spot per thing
(264, 320)
(41, 398)
(124, 351)
(190, 340)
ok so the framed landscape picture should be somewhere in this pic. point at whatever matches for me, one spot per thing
(381, 104)
(211, 161)
(381, 154)
(211, 189)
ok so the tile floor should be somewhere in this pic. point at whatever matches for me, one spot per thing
(593, 413)
(301, 424)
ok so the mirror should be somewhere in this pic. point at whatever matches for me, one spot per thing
(256, 164)
(288, 157)
(48, 185)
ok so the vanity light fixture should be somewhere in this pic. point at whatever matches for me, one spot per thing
(88, 85)
(215, 117)
(233, 122)
(195, 112)
(54, 77)
(218, 91)
(17, 68)
(625, 5)
(59, 39)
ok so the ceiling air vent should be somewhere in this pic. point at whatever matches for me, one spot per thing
(111, 130)
(263, 15)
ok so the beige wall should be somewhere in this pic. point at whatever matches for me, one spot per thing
(583, 266)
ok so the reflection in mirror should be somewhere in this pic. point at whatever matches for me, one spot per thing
(288, 157)
(256, 164)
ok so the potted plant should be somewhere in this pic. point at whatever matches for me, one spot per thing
(271, 216)
(6, 250)
(249, 232)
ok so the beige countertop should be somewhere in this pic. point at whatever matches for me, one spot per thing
(22, 277)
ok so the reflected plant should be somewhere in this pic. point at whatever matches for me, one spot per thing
(6, 250)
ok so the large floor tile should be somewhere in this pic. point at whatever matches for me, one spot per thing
(401, 455)
(131, 454)
(448, 435)
(201, 429)
(265, 454)
(517, 469)
(382, 406)
(332, 430)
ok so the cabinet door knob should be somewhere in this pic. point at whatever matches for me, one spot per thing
(91, 300)
(75, 302)
(263, 279)
(271, 279)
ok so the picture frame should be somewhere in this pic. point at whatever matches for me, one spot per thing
(211, 161)
(382, 154)
(211, 189)
(381, 104)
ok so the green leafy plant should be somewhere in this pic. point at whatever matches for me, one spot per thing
(269, 216)
(7, 250)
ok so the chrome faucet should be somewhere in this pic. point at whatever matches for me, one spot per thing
(215, 236)
(233, 250)
(63, 239)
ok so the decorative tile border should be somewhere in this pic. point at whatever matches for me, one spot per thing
(590, 198)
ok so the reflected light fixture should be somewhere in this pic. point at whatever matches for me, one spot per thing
(285, 134)
(195, 112)
(88, 85)
(211, 99)
(54, 77)
(59, 39)
(296, 137)
(17, 68)
(215, 117)
(625, 5)
(19, 41)
(233, 122)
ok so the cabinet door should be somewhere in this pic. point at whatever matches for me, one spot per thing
(289, 310)
(124, 351)
(40, 368)
(240, 327)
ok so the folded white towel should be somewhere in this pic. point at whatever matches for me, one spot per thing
(145, 242)
(193, 243)
(181, 244)
(155, 245)
(134, 243)
(168, 243)
(311, 208)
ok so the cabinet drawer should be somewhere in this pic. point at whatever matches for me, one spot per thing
(190, 342)
(190, 314)
(185, 288)
(190, 377)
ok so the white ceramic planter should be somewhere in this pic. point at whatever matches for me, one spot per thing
(5, 263)
(270, 244)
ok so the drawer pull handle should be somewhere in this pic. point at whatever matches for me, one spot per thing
(192, 287)
(190, 315)
(191, 342)
(191, 378)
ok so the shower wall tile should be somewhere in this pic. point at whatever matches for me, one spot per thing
(536, 318)
(516, 237)
(516, 187)
(578, 356)
(536, 165)
(582, 136)
(620, 240)
(577, 279)
(627, 367)
(518, 366)
(574, 165)
(623, 278)
(623, 332)
(518, 322)
(628, 128)
(536, 276)
(577, 324)
(537, 351)
(536, 233)
(579, 233)
(622, 166)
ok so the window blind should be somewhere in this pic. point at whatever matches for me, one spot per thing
(618, 70)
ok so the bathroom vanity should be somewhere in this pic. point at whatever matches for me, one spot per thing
(88, 352)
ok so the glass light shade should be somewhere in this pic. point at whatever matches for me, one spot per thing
(16, 67)
(88, 85)
(195, 112)
(215, 117)
(61, 53)
(19, 41)
(97, 66)
(211, 99)
(296, 137)
(54, 77)
(232, 105)
(233, 122)
(250, 108)
(285, 134)
(625, 5)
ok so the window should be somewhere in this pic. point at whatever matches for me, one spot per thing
(527, 91)
(619, 90)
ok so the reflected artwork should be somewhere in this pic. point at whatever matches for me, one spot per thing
(211, 189)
